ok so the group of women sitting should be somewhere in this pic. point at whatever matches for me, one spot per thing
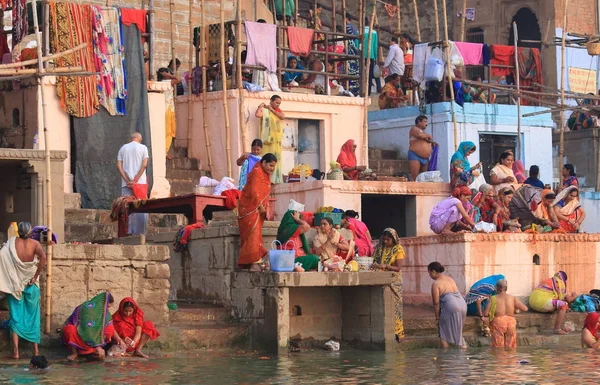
(91, 330)
(506, 203)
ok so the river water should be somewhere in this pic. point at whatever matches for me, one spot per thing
(552, 365)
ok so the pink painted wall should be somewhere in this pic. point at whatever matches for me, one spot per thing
(470, 257)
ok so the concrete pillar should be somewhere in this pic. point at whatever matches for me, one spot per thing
(277, 319)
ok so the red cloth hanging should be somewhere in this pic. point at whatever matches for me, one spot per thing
(502, 55)
(530, 70)
(134, 16)
(301, 40)
(3, 44)
(231, 198)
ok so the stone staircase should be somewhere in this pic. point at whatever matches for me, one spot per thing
(387, 162)
(183, 173)
(92, 225)
(200, 326)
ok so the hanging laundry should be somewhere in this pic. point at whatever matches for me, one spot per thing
(301, 40)
(5, 4)
(70, 26)
(131, 16)
(530, 69)
(3, 44)
(20, 21)
(109, 59)
(485, 52)
(419, 58)
(262, 45)
(502, 55)
(472, 53)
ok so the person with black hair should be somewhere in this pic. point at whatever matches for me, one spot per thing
(248, 160)
(170, 73)
(534, 175)
(360, 231)
(373, 56)
(394, 62)
(449, 307)
(569, 177)
(391, 95)
(38, 362)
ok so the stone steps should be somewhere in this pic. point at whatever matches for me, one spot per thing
(389, 167)
(199, 314)
(96, 216)
(192, 337)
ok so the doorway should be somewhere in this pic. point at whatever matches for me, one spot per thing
(528, 29)
(309, 143)
(396, 211)
(492, 146)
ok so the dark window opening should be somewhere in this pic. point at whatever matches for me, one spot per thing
(475, 35)
(16, 120)
(492, 146)
(528, 28)
(396, 211)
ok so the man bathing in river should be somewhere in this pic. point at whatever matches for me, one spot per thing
(501, 312)
(21, 262)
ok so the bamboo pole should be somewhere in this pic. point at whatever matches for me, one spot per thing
(436, 17)
(238, 61)
(334, 18)
(295, 13)
(596, 132)
(517, 82)
(224, 82)
(48, 187)
(45, 58)
(190, 66)
(563, 51)
(152, 39)
(172, 25)
(361, 47)
(418, 25)
(365, 150)
(204, 82)
(399, 17)
(450, 75)
(345, 24)
(463, 20)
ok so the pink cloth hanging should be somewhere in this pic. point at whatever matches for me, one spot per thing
(301, 40)
(472, 53)
(262, 45)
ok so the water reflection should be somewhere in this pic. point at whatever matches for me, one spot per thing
(551, 365)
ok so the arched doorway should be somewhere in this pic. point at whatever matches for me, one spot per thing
(528, 28)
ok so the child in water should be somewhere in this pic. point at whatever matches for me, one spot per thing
(38, 362)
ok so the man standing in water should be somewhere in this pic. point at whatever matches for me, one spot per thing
(419, 148)
(501, 310)
(21, 262)
(131, 163)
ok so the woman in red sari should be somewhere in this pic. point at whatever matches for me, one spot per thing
(130, 326)
(252, 209)
(347, 160)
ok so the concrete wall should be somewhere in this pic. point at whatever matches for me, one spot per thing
(334, 112)
(470, 257)
(79, 272)
(590, 201)
(388, 130)
(580, 149)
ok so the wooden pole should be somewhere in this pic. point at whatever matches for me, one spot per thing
(48, 187)
(418, 25)
(224, 82)
(563, 51)
(463, 20)
(399, 17)
(45, 58)
(361, 47)
(238, 60)
(172, 24)
(295, 13)
(152, 39)
(190, 67)
(436, 17)
(365, 150)
(517, 83)
(450, 75)
(345, 24)
(334, 18)
(204, 88)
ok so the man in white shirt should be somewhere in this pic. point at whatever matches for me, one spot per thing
(394, 61)
(131, 163)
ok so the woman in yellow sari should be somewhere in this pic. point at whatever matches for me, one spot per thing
(388, 255)
(551, 296)
(271, 132)
(568, 210)
(502, 174)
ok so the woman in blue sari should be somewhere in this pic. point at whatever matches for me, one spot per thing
(477, 298)
(290, 75)
(248, 160)
(460, 167)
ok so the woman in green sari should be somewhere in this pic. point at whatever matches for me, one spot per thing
(293, 228)
(90, 328)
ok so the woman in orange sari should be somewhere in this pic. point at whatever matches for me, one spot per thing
(568, 210)
(130, 325)
(347, 160)
(252, 210)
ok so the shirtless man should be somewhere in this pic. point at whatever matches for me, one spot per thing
(22, 310)
(504, 325)
(420, 147)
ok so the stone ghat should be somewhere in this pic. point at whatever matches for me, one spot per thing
(524, 259)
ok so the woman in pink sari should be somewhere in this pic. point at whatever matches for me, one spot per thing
(362, 236)
(519, 171)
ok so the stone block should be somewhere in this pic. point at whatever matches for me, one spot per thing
(160, 271)
(72, 201)
(80, 216)
(115, 279)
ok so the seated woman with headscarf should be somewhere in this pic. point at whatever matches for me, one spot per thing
(290, 75)
(461, 172)
(90, 328)
(502, 174)
(331, 247)
(483, 204)
(446, 216)
(551, 296)
(546, 215)
(391, 96)
(388, 255)
(502, 216)
(130, 325)
(347, 160)
(362, 236)
(589, 333)
(568, 209)
(477, 94)
(293, 228)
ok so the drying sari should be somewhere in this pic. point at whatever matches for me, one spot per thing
(247, 166)
(125, 326)
(519, 171)
(90, 326)
(389, 256)
(364, 246)
(571, 210)
(481, 290)
(271, 134)
(550, 294)
(460, 167)
(501, 171)
(289, 230)
(250, 220)
(347, 159)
